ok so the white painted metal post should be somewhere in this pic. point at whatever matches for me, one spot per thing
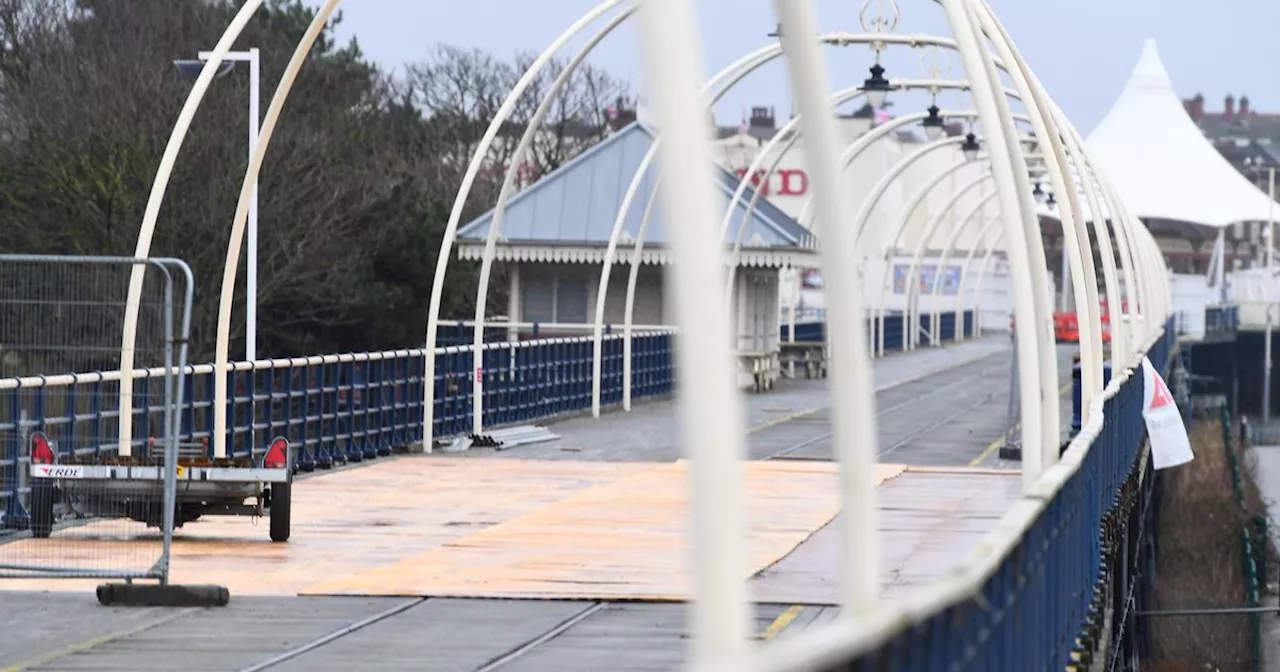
(935, 314)
(710, 409)
(1006, 174)
(854, 427)
(1270, 280)
(251, 272)
(911, 311)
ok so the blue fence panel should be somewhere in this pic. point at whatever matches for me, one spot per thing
(946, 327)
(1222, 318)
(1029, 614)
(1030, 610)
(816, 332)
(332, 409)
(807, 332)
(893, 334)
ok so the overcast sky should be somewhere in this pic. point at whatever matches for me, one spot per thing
(1082, 50)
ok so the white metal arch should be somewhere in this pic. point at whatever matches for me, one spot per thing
(855, 150)
(895, 236)
(735, 71)
(910, 329)
(508, 187)
(935, 315)
(717, 88)
(1083, 275)
(142, 250)
(964, 275)
(850, 154)
(715, 440)
(992, 249)
(788, 139)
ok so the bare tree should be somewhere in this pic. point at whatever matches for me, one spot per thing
(461, 90)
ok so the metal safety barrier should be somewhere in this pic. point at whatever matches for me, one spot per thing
(816, 332)
(1034, 595)
(336, 408)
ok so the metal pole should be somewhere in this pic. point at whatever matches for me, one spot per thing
(1271, 232)
(251, 272)
(1064, 273)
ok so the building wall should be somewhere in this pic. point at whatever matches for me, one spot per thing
(567, 294)
(789, 187)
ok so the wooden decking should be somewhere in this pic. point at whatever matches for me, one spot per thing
(489, 527)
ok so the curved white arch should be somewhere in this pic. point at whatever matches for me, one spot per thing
(854, 428)
(739, 69)
(504, 195)
(1083, 275)
(854, 150)
(142, 250)
(982, 276)
(247, 188)
(896, 236)
(935, 315)
(710, 409)
(633, 276)
(451, 229)
(1030, 349)
(1050, 402)
(734, 72)
(910, 330)
(964, 275)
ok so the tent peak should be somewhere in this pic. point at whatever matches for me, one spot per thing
(1150, 69)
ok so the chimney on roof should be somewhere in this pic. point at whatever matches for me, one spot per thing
(763, 117)
(1229, 108)
(1195, 107)
(1244, 106)
(620, 114)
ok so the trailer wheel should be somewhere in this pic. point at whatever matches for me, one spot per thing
(42, 493)
(281, 500)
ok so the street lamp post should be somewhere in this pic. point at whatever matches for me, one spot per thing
(1271, 241)
(1254, 165)
(192, 68)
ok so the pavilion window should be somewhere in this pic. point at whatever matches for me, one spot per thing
(538, 299)
(571, 299)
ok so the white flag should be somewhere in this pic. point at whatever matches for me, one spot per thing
(1170, 445)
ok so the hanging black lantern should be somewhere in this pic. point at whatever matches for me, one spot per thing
(876, 87)
(970, 147)
(934, 124)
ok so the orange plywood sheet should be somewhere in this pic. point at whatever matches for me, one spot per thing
(992, 471)
(344, 522)
(622, 540)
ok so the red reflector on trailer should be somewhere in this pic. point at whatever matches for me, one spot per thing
(277, 456)
(41, 451)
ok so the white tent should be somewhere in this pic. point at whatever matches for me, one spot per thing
(1161, 164)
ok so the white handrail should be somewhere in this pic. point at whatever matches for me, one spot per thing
(67, 379)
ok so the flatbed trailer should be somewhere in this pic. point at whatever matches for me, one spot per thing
(109, 486)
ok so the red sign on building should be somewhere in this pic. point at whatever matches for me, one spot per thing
(783, 182)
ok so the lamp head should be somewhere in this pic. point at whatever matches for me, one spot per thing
(876, 87)
(192, 67)
(933, 124)
(970, 147)
(1039, 193)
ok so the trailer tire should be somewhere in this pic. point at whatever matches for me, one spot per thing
(41, 514)
(281, 501)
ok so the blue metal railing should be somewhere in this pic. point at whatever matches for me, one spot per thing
(333, 408)
(1225, 318)
(1040, 607)
(816, 332)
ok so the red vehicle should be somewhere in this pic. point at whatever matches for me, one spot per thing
(1066, 326)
